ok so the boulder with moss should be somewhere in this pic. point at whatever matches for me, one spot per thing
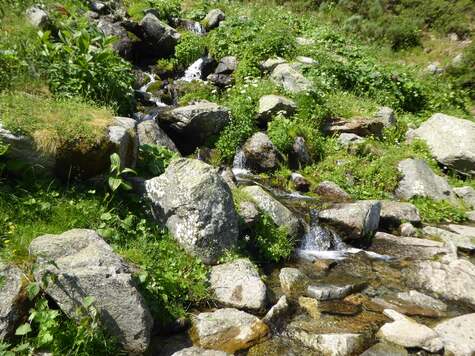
(12, 299)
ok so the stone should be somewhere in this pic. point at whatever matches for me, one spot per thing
(293, 282)
(450, 279)
(394, 213)
(299, 156)
(269, 64)
(122, 134)
(310, 305)
(196, 205)
(330, 191)
(227, 330)
(353, 220)
(149, 133)
(85, 265)
(306, 60)
(467, 194)
(339, 307)
(260, 153)
(248, 212)
(418, 180)
(383, 349)
(458, 335)
(407, 332)
(357, 126)
(407, 230)
(471, 216)
(227, 65)
(434, 68)
(290, 78)
(213, 18)
(110, 28)
(237, 284)
(465, 230)
(302, 41)
(332, 344)
(221, 80)
(407, 247)
(193, 125)
(11, 299)
(451, 141)
(423, 300)
(350, 139)
(271, 105)
(329, 291)
(279, 213)
(386, 115)
(300, 183)
(405, 307)
(463, 242)
(160, 38)
(37, 17)
(275, 317)
(198, 351)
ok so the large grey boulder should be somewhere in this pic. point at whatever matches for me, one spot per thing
(238, 284)
(123, 135)
(290, 78)
(213, 18)
(407, 332)
(11, 299)
(85, 265)
(394, 213)
(353, 220)
(149, 133)
(193, 125)
(451, 279)
(227, 330)
(227, 65)
(451, 141)
(260, 153)
(407, 247)
(271, 105)
(467, 194)
(196, 205)
(458, 335)
(160, 37)
(293, 282)
(418, 180)
(279, 213)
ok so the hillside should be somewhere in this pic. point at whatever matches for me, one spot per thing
(219, 177)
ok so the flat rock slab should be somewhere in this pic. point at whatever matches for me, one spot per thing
(198, 351)
(383, 349)
(461, 241)
(451, 141)
(407, 247)
(423, 300)
(407, 332)
(451, 279)
(238, 284)
(458, 335)
(227, 330)
(85, 265)
(394, 213)
(329, 292)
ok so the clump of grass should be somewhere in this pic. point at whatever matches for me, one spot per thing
(437, 212)
(53, 123)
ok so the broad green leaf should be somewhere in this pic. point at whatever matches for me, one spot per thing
(23, 329)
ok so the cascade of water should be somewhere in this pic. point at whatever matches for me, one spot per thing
(193, 72)
(145, 88)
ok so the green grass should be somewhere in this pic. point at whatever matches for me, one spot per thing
(53, 123)
(438, 212)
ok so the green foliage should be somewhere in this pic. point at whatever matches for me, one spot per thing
(50, 329)
(437, 212)
(403, 34)
(116, 180)
(171, 279)
(463, 74)
(166, 9)
(189, 49)
(280, 131)
(81, 62)
(270, 243)
(154, 159)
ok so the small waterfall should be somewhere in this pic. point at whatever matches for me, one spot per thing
(193, 72)
(197, 28)
(321, 243)
(145, 88)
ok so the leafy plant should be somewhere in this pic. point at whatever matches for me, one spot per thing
(154, 159)
(166, 9)
(436, 212)
(189, 49)
(116, 179)
(81, 62)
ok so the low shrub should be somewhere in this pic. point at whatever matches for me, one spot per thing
(402, 34)
(166, 9)
(189, 49)
(437, 212)
(153, 160)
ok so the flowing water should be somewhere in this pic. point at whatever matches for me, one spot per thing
(193, 72)
(145, 88)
